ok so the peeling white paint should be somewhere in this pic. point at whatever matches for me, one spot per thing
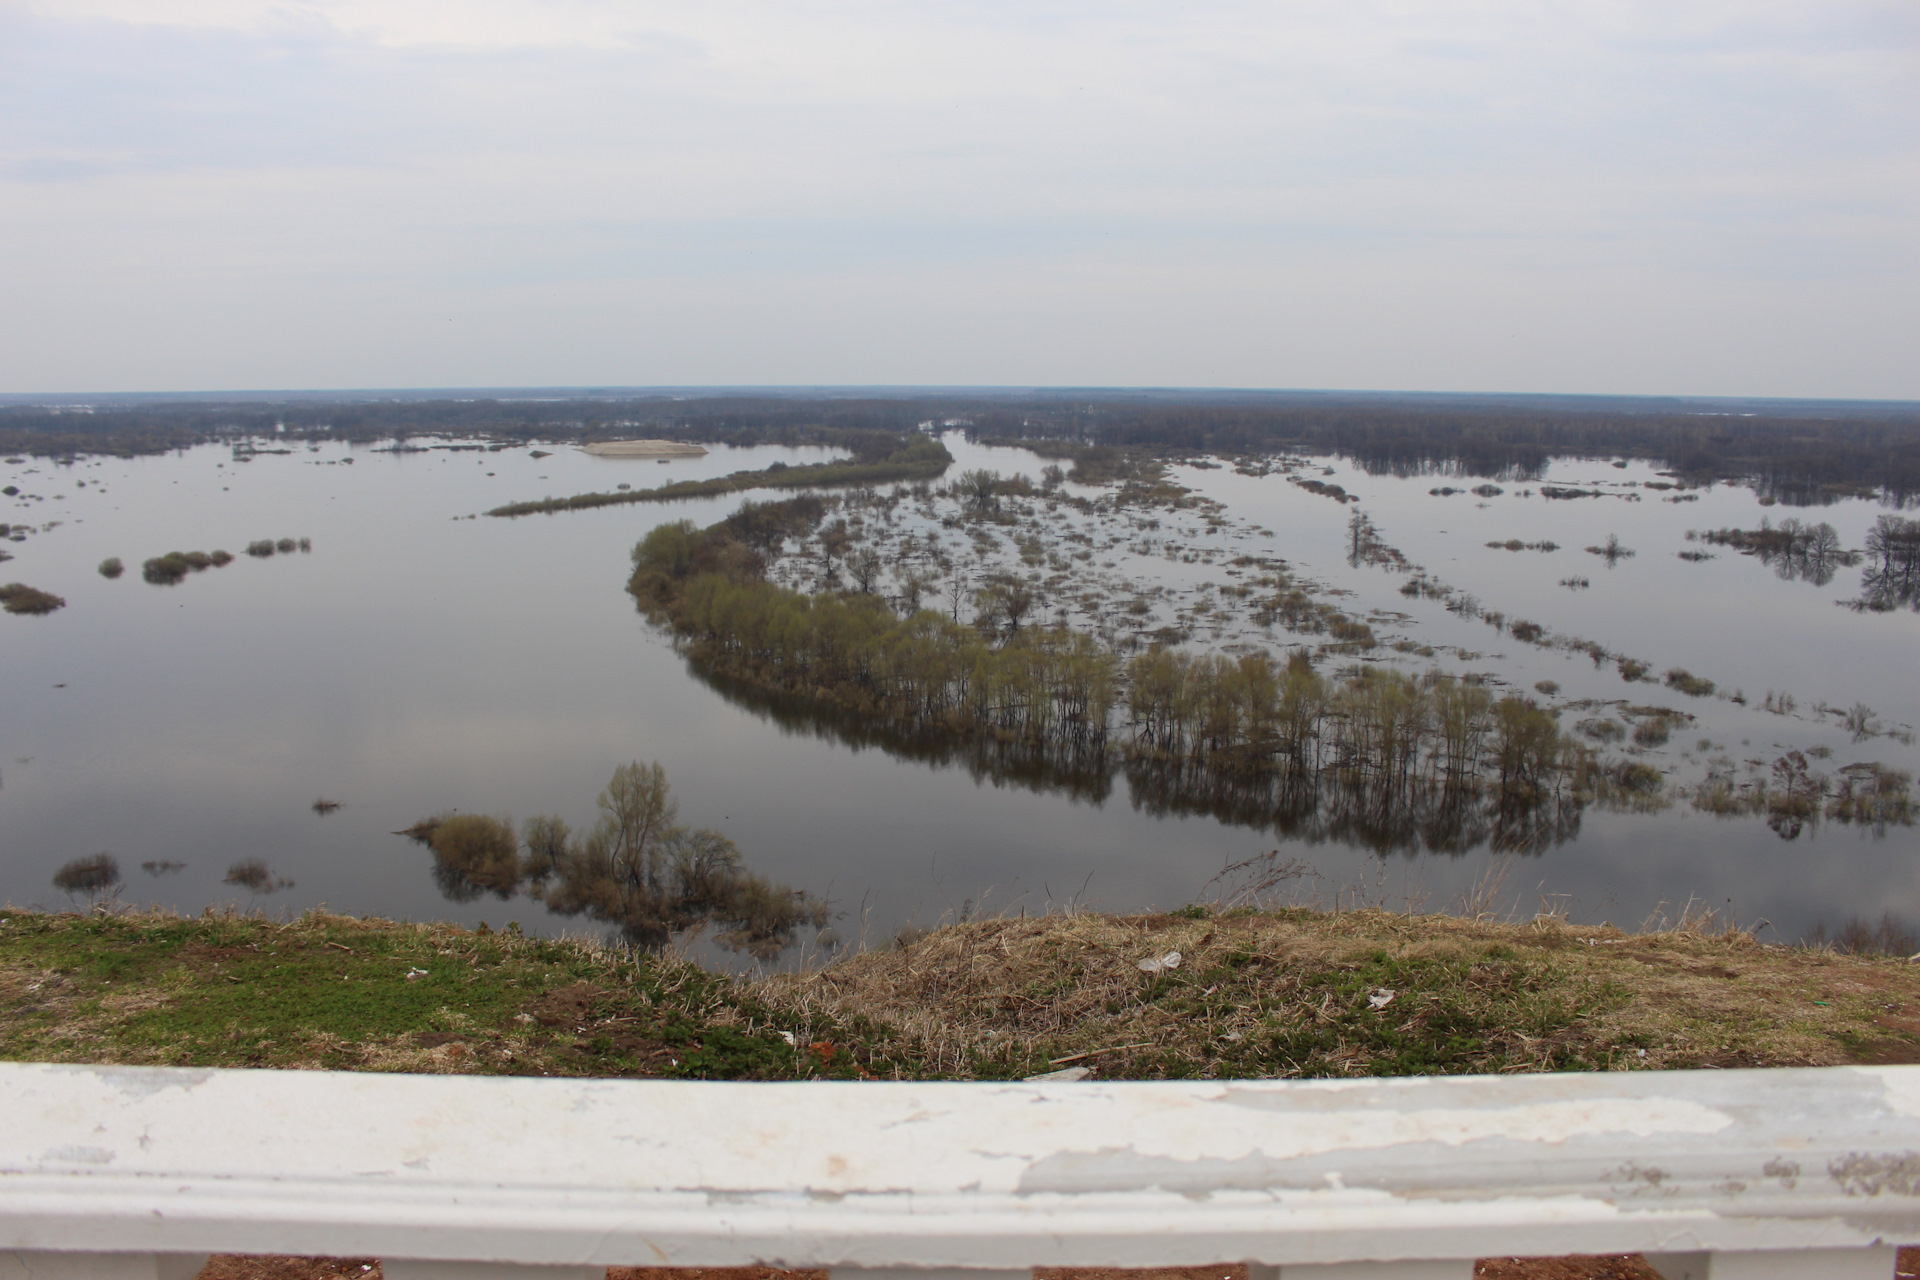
(587, 1173)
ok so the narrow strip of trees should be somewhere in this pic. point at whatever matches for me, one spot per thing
(1193, 726)
(910, 457)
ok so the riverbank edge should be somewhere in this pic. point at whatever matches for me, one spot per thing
(1194, 994)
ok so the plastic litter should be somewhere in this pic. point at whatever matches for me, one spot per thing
(1065, 1073)
(1154, 964)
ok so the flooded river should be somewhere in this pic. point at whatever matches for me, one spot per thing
(416, 661)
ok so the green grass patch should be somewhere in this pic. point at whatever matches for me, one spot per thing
(334, 992)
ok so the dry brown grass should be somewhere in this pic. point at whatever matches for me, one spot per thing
(1292, 993)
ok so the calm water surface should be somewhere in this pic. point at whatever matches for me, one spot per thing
(417, 661)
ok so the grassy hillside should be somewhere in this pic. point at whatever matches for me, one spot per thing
(1290, 993)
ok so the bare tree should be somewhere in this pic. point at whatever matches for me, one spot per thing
(957, 590)
(835, 541)
(548, 839)
(1006, 600)
(637, 827)
(864, 566)
(978, 487)
(92, 876)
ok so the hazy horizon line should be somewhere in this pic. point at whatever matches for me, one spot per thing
(914, 391)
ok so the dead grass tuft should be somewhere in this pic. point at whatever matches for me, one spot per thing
(1357, 993)
(1253, 993)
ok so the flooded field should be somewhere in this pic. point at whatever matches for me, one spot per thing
(392, 653)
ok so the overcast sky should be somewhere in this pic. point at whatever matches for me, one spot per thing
(1666, 197)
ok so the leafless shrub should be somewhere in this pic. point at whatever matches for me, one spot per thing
(255, 876)
(91, 875)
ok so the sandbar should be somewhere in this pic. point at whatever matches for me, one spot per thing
(643, 449)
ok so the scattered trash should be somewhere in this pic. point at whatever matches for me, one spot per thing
(1382, 998)
(1065, 1073)
(1094, 1053)
(1154, 964)
(413, 973)
(523, 1018)
(788, 1037)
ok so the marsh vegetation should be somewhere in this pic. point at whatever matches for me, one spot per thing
(638, 869)
(1807, 552)
(256, 877)
(18, 597)
(173, 567)
(266, 548)
(1105, 556)
(93, 876)
(1613, 551)
(1370, 755)
(1793, 796)
(837, 612)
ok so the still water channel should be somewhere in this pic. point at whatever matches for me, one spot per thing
(417, 661)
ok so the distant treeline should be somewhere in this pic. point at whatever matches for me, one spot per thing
(878, 458)
(1397, 760)
(1798, 454)
(156, 428)
(1793, 459)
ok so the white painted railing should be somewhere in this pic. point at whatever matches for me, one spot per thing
(109, 1172)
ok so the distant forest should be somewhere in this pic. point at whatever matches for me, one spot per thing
(1799, 453)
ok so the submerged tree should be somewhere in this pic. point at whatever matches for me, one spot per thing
(92, 876)
(547, 840)
(1892, 579)
(618, 871)
(979, 487)
(1374, 755)
(255, 876)
(474, 854)
(643, 871)
(638, 869)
